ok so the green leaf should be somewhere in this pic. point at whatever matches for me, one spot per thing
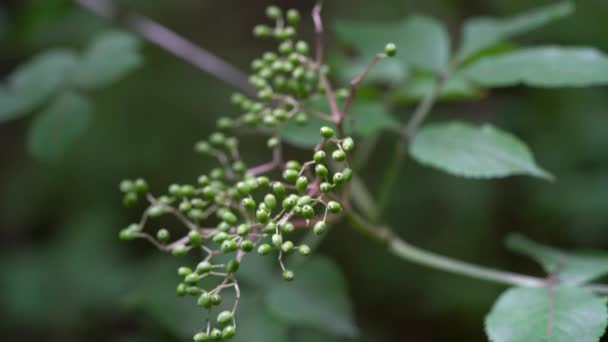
(107, 59)
(455, 88)
(571, 268)
(523, 314)
(316, 299)
(542, 67)
(422, 42)
(369, 118)
(59, 126)
(483, 32)
(34, 82)
(465, 150)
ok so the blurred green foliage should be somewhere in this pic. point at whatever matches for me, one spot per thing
(65, 277)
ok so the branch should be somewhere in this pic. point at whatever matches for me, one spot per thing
(172, 43)
(354, 84)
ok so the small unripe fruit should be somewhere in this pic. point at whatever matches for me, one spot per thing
(215, 334)
(126, 186)
(201, 337)
(264, 249)
(229, 246)
(163, 235)
(247, 246)
(262, 31)
(248, 203)
(325, 187)
(304, 250)
(270, 200)
(192, 278)
(195, 238)
(321, 170)
(184, 271)
(279, 189)
(193, 290)
(243, 229)
(338, 155)
(277, 239)
(302, 47)
(204, 267)
(319, 156)
(320, 228)
(272, 142)
(308, 212)
(338, 178)
(293, 16)
(273, 12)
(348, 144)
(334, 207)
(216, 299)
(302, 183)
(204, 300)
(347, 173)
(156, 211)
(140, 185)
(181, 289)
(228, 332)
(288, 227)
(219, 237)
(293, 165)
(224, 317)
(232, 266)
(289, 203)
(179, 250)
(287, 246)
(327, 132)
(390, 49)
(129, 199)
(288, 275)
(262, 215)
(290, 175)
(270, 227)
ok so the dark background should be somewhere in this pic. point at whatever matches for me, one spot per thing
(64, 276)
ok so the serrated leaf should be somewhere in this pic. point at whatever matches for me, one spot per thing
(570, 268)
(316, 298)
(524, 314)
(542, 67)
(34, 82)
(109, 57)
(455, 88)
(59, 126)
(422, 42)
(465, 150)
(369, 118)
(480, 33)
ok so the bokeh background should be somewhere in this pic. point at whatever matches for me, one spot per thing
(64, 276)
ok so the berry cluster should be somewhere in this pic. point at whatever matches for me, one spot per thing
(235, 209)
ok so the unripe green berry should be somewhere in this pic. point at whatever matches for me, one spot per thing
(201, 337)
(288, 227)
(270, 227)
(279, 189)
(179, 250)
(327, 132)
(293, 17)
(320, 228)
(277, 239)
(304, 250)
(229, 217)
(232, 266)
(301, 119)
(229, 246)
(204, 267)
(228, 332)
(217, 139)
(302, 183)
(273, 142)
(325, 187)
(248, 203)
(293, 165)
(334, 207)
(262, 215)
(243, 229)
(184, 271)
(216, 299)
(225, 123)
(163, 235)
(308, 212)
(204, 300)
(348, 144)
(224, 317)
(271, 201)
(239, 167)
(302, 47)
(193, 290)
(219, 237)
(347, 173)
(247, 245)
(129, 199)
(215, 334)
(262, 31)
(175, 190)
(321, 170)
(288, 203)
(184, 206)
(264, 249)
(290, 175)
(338, 155)
(192, 278)
(217, 174)
(338, 178)
(263, 181)
(273, 12)
(140, 185)
(195, 238)
(288, 275)
(181, 289)
(319, 156)
(390, 49)
(224, 226)
(287, 246)
(342, 94)
(286, 47)
(126, 186)
(156, 211)
(265, 94)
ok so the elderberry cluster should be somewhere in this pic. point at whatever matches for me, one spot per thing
(236, 208)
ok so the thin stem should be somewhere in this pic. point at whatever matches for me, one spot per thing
(316, 17)
(171, 42)
(354, 84)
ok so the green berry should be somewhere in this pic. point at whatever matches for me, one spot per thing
(273, 142)
(338, 155)
(195, 238)
(293, 16)
(140, 185)
(327, 132)
(302, 47)
(263, 181)
(277, 239)
(290, 175)
(179, 250)
(224, 227)
(293, 165)
(229, 217)
(261, 31)
(219, 237)
(264, 249)
(232, 266)
(348, 144)
(248, 203)
(320, 228)
(129, 199)
(224, 317)
(156, 211)
(304, 250)
(308, 212)
(239, 167)
(338, 178)
(325, 187)
(201, 337)
(302, 183)
(126, 186)
(390, 49)
(304, 200)
(181, 289)
(184, 206)
(184, 271)
(271, 201)
(273, 12)
(287, 246)
(192, 278)
(204, 267)
(217, 174)
(319, 156)
(279, 189)
(193, 290)
(163, 235)
(288, 203)
(334, 207)
(288, 227)
(247, 246)
(217, 139)
(321, 170)
(270, 227)
(288, 275)
(243, 229)
(229, 246)
(216, 299)
(215, 334)
(286, 47)
(347, 173)
(225, 123)
(228, 332)
(262, 215)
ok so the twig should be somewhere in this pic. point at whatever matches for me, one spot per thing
(354, 84)
(171, 42)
